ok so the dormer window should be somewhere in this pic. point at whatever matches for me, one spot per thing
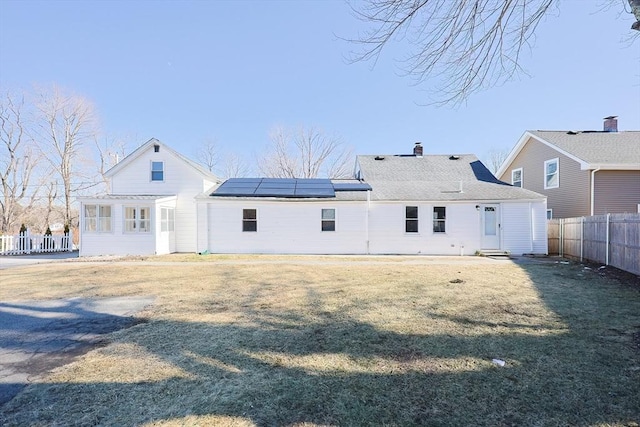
(157, 171)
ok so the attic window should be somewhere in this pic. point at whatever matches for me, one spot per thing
(454, 157)
(156, 148)
(379, 158)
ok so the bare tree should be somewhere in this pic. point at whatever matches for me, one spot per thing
(234, 166)
(18, 162)
(495, 157)
(472, 44)
(305, 153)
(110, 151)
(208, 154)
(66, 123)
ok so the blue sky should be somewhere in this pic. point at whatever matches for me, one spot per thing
(184, 72)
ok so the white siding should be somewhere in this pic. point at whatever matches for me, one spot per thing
(524, 228)
(388, 236)
(180, 179)
(286, 227)
(117, 242)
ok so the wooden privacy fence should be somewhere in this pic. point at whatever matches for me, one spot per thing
(28, 243)
(611, 239)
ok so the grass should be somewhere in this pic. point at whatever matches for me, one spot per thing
(308, 341)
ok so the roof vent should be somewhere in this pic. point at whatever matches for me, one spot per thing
(572, 132)
(454, 157)
(378, 158)
(417, 149)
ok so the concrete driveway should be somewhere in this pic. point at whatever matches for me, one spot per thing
(37, 336)
(8, 261)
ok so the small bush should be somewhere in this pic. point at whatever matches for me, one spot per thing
(48, 242)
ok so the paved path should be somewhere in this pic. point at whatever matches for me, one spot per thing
(37, 336)
(7, 261)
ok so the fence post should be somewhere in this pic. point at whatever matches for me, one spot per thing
(581, 237)
(606, 248)
(70, 241)
(561, 238)
(28, 241)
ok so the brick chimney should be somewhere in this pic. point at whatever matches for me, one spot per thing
(611, 124)
(417, 149)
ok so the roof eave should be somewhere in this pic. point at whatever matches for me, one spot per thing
(612, 166)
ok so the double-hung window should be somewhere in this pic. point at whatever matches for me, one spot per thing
(551, 174)
(249, 220)
(439, 219)
(167, 218)
(137, 219)
(97, 218)
(157, 171)
(411, 219)
(516, 177)
(328, 220)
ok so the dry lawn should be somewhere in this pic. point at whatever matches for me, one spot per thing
(304, 341)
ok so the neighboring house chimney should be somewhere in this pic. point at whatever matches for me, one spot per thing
(611, 124)
(417, 150)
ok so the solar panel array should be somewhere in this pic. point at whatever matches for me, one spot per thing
(276, 187)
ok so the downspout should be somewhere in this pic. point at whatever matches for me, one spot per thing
(593, 190)
(532, 227)
(366, 221)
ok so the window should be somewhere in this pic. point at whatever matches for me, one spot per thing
(439, 218)
(156, 148)
(157, 171)
(411, 219)
(551, 174)
(97, 218)
(516, 177)
(549, 213)
(328, 220)
(136, 220)
(167, 217)
(249, 220)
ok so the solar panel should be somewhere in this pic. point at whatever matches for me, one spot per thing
(276, 187)
(351, 186)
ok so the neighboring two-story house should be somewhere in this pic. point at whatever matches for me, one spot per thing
(395, 204)
(582, 173)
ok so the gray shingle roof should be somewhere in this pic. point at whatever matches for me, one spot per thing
(599, 148)
(436, 178)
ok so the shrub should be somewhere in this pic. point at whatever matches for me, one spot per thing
(48, 242)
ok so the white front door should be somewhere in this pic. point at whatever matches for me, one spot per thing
(490, 226)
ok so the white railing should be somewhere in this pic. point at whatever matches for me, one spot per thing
(35, 243)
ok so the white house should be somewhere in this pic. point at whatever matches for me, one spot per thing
(395, 204)
(151, 208)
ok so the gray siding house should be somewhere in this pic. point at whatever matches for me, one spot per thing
(582, 173)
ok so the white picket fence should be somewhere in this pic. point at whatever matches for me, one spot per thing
(35, 243)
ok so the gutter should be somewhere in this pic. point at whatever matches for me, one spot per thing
(593, 184)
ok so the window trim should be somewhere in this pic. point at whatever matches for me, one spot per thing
(513, 182)
(249, 220)
(167, 222)
(557, 173)
(97, 218)
(328, 221)
(412, 220)
(156, 171)
(436, 220)
(137, 221)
